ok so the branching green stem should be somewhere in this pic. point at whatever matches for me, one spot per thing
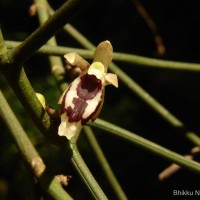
(29, 154)
(20, 84)
(55, 50)
(104, 164)
(117, 56)
(156, 63)
(155, 105)
(85, 174)
(24, 91)
(147, 145)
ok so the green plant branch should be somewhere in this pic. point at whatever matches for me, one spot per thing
(55, 50)
(104, 164)
(117, 56)
(156, 63)
(147, 145)
(20, 84)
(85, 174)
(42, 34)
(29, 154)
(156, 106)
(24, 91)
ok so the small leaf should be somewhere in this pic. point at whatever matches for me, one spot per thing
(41, 99)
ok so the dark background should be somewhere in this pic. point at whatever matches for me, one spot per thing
(118, 21)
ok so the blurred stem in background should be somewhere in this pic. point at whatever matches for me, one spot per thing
(29, 155)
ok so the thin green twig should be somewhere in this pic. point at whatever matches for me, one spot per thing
(24, 91)
(156, 106)
(55, 50)
(86, 175)
(147, 145)
(30, 155)
(19, 82)
(156, 63)
(80, 38)
(117, 56)
(83, 170)
(104, 164)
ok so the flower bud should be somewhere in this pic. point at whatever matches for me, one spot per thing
(41, 99)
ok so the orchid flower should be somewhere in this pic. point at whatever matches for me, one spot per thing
(83, 99)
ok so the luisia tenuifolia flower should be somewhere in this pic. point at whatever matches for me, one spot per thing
(83, 99)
